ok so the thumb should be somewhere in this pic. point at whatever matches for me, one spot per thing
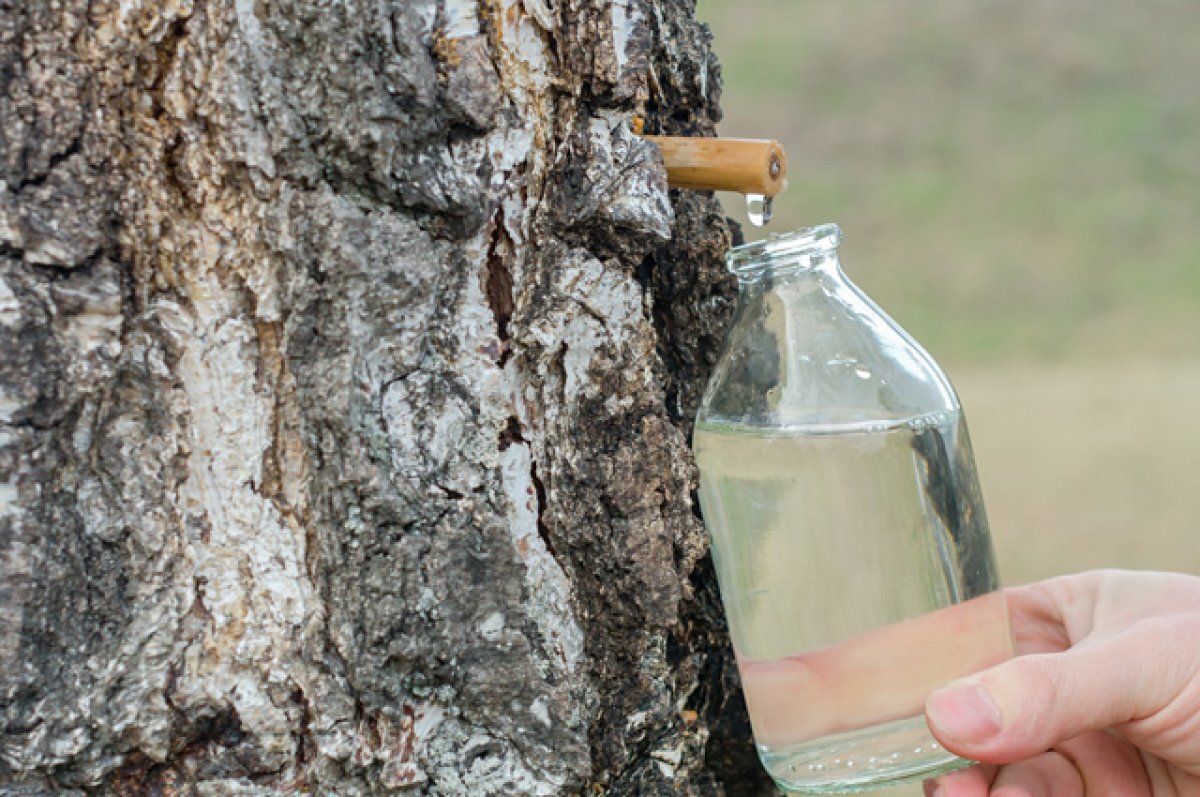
(1027, 705)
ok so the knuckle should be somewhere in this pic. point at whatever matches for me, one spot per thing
(1039, 677)
(1035, 686)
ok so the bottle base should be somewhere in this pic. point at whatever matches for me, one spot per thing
(884, 755)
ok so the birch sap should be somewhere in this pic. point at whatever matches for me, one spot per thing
(842, 631)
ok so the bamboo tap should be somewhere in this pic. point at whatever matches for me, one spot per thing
(745, 165)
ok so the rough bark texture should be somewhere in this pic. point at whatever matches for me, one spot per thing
(347, 355)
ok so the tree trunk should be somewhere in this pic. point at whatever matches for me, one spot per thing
(348, 350)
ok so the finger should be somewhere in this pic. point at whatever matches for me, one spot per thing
(1110, 765)
(1045, 775)
(970, 782)
(1026, 705)
(1060, 612)
(1052, 615)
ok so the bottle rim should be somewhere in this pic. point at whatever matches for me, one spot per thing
(812, 243)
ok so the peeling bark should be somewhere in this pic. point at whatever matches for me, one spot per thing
(348, 350)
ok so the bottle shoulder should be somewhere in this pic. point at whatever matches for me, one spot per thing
(820, 352)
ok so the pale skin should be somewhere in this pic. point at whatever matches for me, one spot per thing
(1103, 698)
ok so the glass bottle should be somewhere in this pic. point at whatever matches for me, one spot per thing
(852, 550)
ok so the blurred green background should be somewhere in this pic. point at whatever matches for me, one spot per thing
(1019, 186)
(1018, 180)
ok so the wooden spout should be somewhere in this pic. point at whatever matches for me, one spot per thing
(745, 165)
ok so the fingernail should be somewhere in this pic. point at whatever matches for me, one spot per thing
(932, 789)
(964, 713)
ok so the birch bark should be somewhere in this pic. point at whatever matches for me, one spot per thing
(347, 355)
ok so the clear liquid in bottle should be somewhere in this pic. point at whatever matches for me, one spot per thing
(842, 631)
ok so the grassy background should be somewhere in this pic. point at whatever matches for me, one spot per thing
(1015, 181)
(1019, 186)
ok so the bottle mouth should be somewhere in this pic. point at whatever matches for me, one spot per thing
(808, 246)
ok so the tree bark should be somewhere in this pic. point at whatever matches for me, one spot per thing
(348, 350)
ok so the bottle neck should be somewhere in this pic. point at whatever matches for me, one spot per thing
(784, 271)
(783, 258)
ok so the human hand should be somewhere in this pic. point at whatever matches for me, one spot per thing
(1103, 698)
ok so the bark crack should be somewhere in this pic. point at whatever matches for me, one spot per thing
(498, 286)
(542, 527)
(13, 252)
(74, 147)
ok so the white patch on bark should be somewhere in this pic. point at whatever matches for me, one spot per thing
(635, 199)
(606, 294)
(426, 12)
(96, 331)
(93, 322)
(252, 90)
(548, 586)
(8, 406)
(495, 767)
(251, 29)
(48, 251)
(462, 19)
(625, 17)
(256, 588)
(490, 627)
(540, 710)
(428, 717)
(10, 308)
(540, 11)
(524, 59)
(150, 15)
(10, 228)
(14, 567)
(255, 147)
(669, 755)
(507, 151)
